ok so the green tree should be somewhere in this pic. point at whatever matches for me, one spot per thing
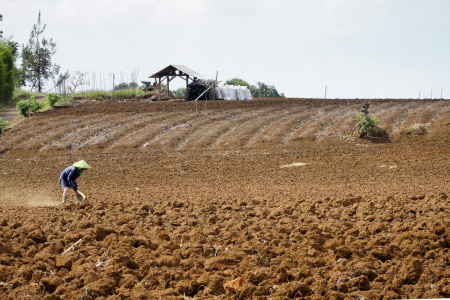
(121, 86)
(264, 90)
(1, 19)
(237, 81)
(8, 71)
(179, 93)
(37, 57)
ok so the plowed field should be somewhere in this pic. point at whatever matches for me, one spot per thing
(263, 199)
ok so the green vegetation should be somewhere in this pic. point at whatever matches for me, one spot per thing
(29, 107)
(3, 125)
(237, 81)
(52, 99)
(125, 86)
(8, 71)
(36, 58)
(108, 95)
(264, 90)
(367, 126)
(259, 90)
(179, 93)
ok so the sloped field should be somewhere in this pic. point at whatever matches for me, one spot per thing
(228, 199)
(217, 125)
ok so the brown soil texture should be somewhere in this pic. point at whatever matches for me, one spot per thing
(262, 199)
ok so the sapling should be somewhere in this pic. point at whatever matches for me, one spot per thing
(367, 126)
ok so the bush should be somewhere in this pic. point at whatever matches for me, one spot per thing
(367, 126)
(29, 107)
(52, 99)
(121, 86)
(3, 125)
(264, 90)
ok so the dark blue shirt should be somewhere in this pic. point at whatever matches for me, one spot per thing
(68, 177)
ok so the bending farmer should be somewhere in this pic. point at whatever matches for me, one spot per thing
(68, 179)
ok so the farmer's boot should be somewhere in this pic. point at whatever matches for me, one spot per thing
(79, 198)
(64, 199)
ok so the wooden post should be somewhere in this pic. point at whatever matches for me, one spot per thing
(214, 90)
(168, 90)
(159, 88)
(187, 86)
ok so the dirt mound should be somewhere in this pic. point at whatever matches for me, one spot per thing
(250, 199)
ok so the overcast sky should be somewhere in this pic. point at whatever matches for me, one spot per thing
(357, 48)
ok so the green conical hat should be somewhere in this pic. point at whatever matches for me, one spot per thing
(81, 164)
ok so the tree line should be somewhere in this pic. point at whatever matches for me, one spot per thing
(259, 90)
(36, 67)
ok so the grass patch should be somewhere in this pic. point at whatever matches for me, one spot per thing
(108, 95)
(20, 95)
(24, 95)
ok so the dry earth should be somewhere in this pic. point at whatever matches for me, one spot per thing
(263, 199)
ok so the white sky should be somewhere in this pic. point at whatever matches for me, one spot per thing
(357, 48)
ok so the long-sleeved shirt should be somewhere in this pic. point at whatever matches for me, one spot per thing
(69, 176)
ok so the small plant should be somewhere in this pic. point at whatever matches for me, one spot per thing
(3, 125)
(367, 126)
(52, 99)
(29, 107)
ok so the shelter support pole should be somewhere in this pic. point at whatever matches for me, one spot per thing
(187, 86)
(214, 91)
(168, 90)
(159, 88)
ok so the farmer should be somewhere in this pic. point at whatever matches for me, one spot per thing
(68, 179)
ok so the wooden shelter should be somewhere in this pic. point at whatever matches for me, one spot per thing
(172, 71)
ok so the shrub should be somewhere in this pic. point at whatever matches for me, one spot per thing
(29, 107)
(121, 86)
(3, 125)
(52, 99)
(264, 90)
(367, 126)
